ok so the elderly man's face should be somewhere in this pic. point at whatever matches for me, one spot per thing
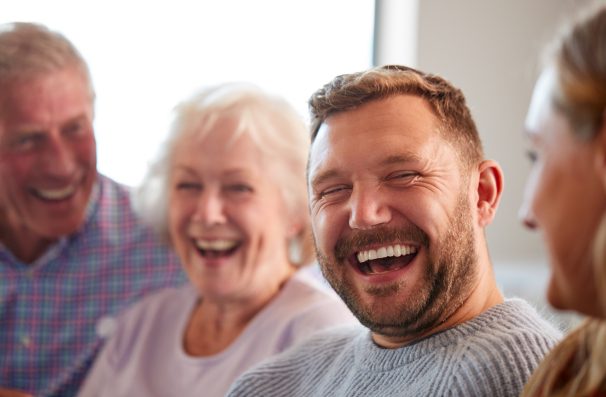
(391, 216)
(47, 154)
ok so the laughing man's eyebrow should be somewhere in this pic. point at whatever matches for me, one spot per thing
(323, 176)
(401, 158)
(393, 159)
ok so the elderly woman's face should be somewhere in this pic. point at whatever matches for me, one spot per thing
(227, 218)
(564, 199)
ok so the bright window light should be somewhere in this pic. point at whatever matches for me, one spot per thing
(146, 56)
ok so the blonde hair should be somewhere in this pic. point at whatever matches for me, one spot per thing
(576, 367)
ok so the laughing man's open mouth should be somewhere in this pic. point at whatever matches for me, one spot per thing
(384, 259)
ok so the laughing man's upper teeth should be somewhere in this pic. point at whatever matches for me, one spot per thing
(216, 245)
(385, 252)
(57, 194)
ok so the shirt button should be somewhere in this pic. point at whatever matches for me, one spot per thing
(26, 341)
(106, 326)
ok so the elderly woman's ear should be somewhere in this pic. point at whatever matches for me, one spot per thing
(295, 229)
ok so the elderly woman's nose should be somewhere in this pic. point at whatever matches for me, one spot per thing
(210, 209)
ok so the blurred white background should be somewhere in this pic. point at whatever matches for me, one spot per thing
(146, 56)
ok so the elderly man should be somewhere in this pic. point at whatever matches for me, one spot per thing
(72, 253)
(400, 195)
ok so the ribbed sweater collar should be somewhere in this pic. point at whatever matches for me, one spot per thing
(374, 358)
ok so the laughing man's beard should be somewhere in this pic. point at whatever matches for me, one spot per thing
(446, 282)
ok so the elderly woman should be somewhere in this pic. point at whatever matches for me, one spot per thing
(566, 200)
(232, 202)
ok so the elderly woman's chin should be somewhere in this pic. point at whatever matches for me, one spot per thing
(216, 272)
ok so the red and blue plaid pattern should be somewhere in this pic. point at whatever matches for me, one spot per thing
(50, 310)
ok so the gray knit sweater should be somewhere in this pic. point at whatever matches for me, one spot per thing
(491, 355)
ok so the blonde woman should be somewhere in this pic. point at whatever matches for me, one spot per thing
(566, 199)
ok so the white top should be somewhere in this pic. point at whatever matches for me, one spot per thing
(145, 356)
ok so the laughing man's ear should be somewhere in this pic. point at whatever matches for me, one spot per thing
(490, 188)
(600, 151)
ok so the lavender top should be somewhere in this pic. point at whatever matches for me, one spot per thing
(146, 357)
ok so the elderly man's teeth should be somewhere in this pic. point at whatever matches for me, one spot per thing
(216, 245)
(385, 252)
(56, 194)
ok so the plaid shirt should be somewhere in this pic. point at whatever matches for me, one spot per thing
(54, 312)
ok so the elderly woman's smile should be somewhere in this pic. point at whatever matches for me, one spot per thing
(218, 248)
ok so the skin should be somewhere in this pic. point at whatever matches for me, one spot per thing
(220, 190)
(47, 160)
(564, 199)
(381, 174)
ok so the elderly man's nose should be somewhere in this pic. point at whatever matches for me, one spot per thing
(59, 158)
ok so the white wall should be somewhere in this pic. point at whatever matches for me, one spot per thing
(145, 56)
(490, 50)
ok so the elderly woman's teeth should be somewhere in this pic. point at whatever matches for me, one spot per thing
(216, 245)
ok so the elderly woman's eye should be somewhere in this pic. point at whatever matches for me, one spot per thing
(188, 186)
(239, 188)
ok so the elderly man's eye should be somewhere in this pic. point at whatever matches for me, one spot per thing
(28, 141)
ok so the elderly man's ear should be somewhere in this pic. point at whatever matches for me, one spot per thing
(600, 151)
(489, 190)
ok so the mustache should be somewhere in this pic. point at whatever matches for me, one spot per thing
(347, 245)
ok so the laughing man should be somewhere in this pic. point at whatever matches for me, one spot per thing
(400, 195)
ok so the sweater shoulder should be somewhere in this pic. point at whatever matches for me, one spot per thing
(506, 345)
(301, 364)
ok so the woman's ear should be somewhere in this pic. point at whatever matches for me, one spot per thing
(489, 190)
(295, 225)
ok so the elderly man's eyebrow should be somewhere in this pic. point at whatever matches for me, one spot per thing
(79, 118)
